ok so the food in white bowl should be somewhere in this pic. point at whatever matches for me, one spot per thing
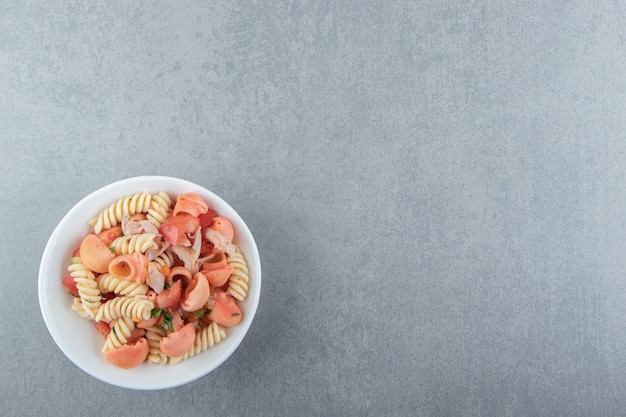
(150, 282)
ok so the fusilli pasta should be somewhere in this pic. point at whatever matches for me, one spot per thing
(136, 307)
(134, 243)
(160, 208)
(154, 335)
(109, 283)
(119, 334)
(239, 279)
(77, 306)
(90, 296)
(112, 215)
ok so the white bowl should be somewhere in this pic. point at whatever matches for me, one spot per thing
(77, 337)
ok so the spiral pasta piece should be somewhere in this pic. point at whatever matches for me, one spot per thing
(160, 208)
(90, 296)
(129, 288)
(77, 306)
(136, 307)
(142, 242)
(112, 215)
(119, 334)
(154, 335)
(239, 279)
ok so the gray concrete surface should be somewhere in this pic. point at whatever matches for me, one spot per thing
(437, 190)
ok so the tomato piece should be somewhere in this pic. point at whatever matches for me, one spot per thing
(174, 228)
(76, 252)
(103, 328)
(135, 334)
(207, 218)
(70, 285)
(108, 296)
(109, 235)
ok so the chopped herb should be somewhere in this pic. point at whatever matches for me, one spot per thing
(112, 249)
(163, 329)
(156, 312)
(113, 330)
(72, 260)
(167, 285)
(208, 311)
(168, 320)
(235, 314)
(198, 314)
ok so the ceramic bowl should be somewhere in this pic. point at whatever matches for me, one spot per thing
(77, 337)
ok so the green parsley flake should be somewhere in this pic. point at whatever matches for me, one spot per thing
(168, 320)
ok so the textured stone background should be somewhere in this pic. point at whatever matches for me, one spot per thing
(437, 189)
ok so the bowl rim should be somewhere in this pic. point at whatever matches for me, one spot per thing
(116, 376)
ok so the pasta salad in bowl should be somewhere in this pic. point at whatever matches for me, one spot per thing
(149, 282)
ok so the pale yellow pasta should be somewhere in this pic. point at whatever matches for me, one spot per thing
(119, 334)
(160, 208)
(90, 296)
(110, 283)
(239, 279)
(77, 306)
(174, 360)
(134, 243)
(112, 215)
(154, 335)
(136, 307)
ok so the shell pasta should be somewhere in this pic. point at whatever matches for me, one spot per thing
(158, 298)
